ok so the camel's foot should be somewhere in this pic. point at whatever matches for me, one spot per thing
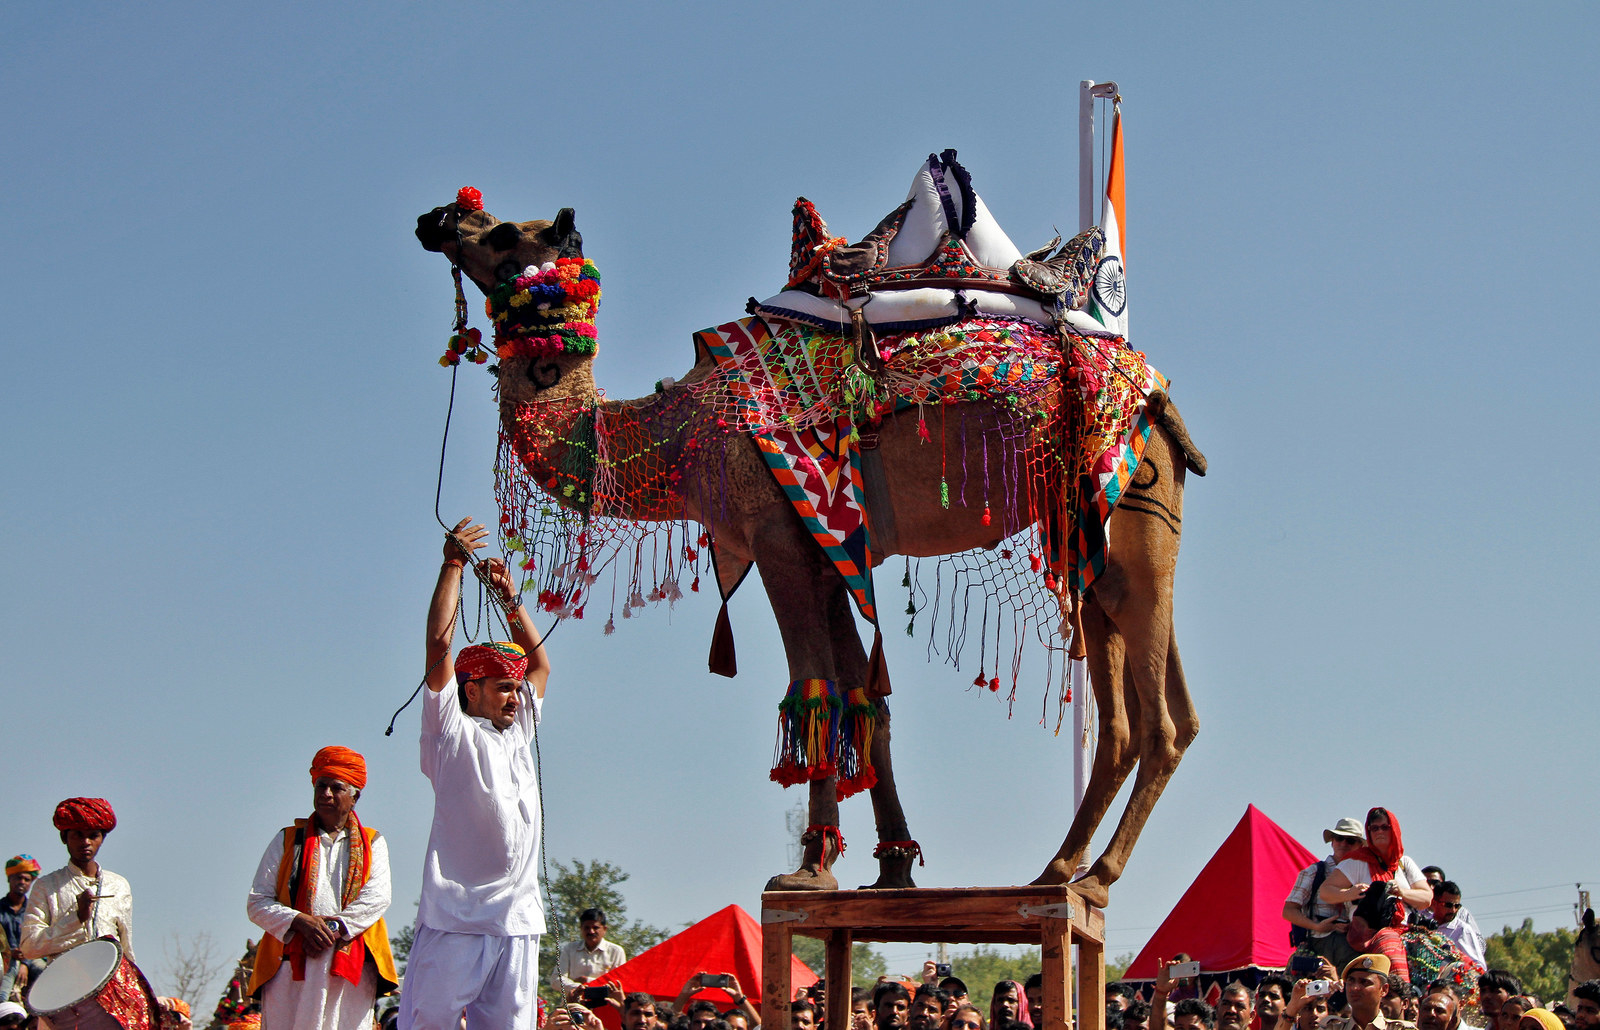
(1059, 871)
(804, 879)
(1092, 891)
(894, 873)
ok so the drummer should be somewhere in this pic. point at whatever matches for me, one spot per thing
(81, 901)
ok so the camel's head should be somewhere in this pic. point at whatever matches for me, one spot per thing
(541, 294)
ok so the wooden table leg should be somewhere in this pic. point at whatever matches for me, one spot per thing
(1091, 984)
(1056, 973)
(838, 975)
(777, 954)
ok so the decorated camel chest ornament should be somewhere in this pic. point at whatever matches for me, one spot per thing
(928, 394)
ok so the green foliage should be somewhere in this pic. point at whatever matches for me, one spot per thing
(983, 967)
(590, 885)
(1540, 960)
(866, 965)
(1115, 967)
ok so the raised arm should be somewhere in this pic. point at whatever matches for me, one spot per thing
(446, 596)
(523, 632)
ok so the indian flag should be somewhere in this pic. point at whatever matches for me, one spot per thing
(1108, 301)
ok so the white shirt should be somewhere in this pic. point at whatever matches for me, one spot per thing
(575, 960)
(50, 925)
(481, 873)
(1406, 875)
(333, 864)
(1463, 929)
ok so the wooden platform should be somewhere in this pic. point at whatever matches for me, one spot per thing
(1052, 917)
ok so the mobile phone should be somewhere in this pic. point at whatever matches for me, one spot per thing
(941, 969)
(713, 979)
(1305, 964)
(596, 995)
(1180, 970)
(1317, 988)
(577, 1014)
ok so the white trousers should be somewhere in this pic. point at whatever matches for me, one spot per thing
(494, 980)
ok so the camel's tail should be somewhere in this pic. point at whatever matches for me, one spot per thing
(1165, 414)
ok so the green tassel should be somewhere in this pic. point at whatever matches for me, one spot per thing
(944, 494)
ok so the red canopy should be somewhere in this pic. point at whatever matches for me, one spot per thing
(728, 941)
(1231, 917)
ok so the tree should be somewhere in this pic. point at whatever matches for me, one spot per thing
(1119, 965)
(192, 966)
(400, 944)
(1540, 960)
(983, 967)
(592, 885)
(866, 965)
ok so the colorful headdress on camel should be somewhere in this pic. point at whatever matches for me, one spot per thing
(341, 763)
(498, 658)
(22, 864)
(546, 310)
(86, 815)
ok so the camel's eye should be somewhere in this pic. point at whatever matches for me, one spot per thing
(504, 236)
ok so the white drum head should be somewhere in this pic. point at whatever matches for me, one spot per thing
(75, 975)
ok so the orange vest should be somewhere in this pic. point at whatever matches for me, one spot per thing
(269, 953)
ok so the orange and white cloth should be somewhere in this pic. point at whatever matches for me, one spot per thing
(1108, 300)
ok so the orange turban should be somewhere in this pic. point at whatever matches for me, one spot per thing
(85, 815)
(497, 658)
(176, 1005)
(342, 764)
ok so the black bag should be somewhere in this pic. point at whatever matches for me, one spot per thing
(1298, 935)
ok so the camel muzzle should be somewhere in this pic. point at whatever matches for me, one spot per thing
(436, 228)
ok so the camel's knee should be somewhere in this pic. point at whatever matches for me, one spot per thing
(1185, 730)
(1159, 750)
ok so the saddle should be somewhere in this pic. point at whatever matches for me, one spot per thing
(937, 259)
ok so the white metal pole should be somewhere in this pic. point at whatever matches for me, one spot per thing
(1088, 90)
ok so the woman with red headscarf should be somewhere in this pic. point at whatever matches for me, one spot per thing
(1382, 859)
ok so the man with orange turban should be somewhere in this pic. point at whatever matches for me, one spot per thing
(320, 893)
(21, 871)
(82, 901)
(481, 914)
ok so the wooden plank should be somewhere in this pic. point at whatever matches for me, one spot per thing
(838, 976)
(1055, 938)
(777, 951)
(947, 908)
(1091, 982)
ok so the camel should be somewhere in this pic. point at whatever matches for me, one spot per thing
(1585, 955)
(1146, 717)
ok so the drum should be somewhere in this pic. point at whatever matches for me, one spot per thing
(91, 987)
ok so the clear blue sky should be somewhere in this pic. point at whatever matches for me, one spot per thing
(1361, 242)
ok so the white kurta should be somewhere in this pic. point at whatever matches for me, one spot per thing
(321, 1000)
(51, 925)
(575, 960)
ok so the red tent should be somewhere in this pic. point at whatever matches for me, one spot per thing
(1231, 917)
(728, 941)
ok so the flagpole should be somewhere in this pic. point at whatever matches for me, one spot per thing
(1088, 91)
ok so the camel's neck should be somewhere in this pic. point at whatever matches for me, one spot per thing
(614, 459)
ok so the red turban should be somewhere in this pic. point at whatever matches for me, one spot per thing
(85, 815)
(342, 764)
(497, 658)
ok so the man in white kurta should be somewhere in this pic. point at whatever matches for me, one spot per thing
(330, 920)
(478, 923)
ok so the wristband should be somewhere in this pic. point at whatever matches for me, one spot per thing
(512, 603)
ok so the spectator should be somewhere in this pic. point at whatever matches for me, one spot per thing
(1272, 994)
(1136, 1016)
(860, 1008)
(1494, 987)
(1455, 922)
(1416, 954)
(21, 871)
(82, 900)
(1113, 1018)
(1116, 993)
(591, 956)
(639, 1012)
(957, 989)
(891, 1006)
(697, 1013)
(1008, 1003)
(1440, 1009)
(1538, 1018)
(802, 1014)
(1033, 990)
(1235, 1009)
(701, 1014)
(1394, 1003)
(1382, 859)
(966, 1017)
(1511, 1011)
(1586, 1011)
(1434, 875)
(1164, 987)
(1193, 1014)
(1299, 1011)
(927, 1008)
(1318, 924)
(12, 1015)
(1366, 982)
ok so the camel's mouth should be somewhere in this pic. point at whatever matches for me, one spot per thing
(438, 227)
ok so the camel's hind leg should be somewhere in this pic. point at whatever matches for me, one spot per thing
(1118, 711)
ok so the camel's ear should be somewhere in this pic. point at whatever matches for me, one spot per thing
(566, 235)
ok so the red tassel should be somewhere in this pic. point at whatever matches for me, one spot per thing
(877, 667)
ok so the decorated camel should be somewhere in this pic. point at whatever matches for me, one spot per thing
(927, 391)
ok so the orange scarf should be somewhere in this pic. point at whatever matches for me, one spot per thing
(303, 885)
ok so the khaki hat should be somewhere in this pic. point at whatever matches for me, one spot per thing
(1372, 963)
(1345, 828)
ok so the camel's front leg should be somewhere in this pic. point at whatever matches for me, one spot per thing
(797, 577)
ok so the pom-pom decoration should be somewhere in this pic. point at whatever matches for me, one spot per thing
(469, 199)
